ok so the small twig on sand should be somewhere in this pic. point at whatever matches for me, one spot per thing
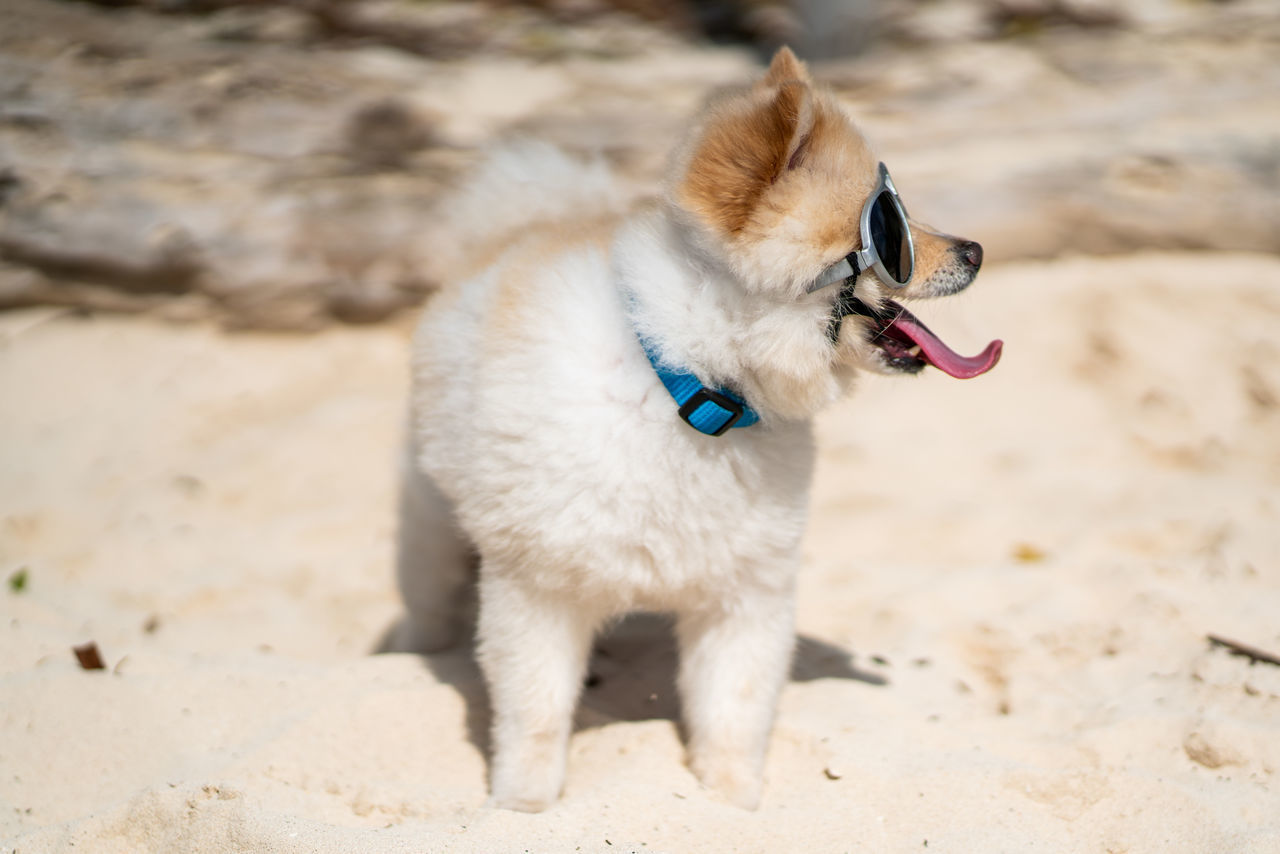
(87, 655)
(1250, 652)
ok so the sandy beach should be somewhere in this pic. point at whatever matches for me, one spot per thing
(1008, 587)
(217, 219)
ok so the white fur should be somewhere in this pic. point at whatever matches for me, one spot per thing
(543, 442)
(550, 447)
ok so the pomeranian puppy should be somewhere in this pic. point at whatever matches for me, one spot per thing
(611, 412)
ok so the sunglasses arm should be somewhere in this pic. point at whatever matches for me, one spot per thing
(844, 270)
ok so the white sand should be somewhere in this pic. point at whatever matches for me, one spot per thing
(1024, 567)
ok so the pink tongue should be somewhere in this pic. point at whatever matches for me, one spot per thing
(940, 355)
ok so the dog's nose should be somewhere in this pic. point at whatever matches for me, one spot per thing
(971, 253)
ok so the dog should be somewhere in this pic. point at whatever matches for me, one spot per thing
(611, 411)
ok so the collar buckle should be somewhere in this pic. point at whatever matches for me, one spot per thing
(709, 421)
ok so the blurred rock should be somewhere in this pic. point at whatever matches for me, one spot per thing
(384, 134)
(1099, 141)
(255, 164)
(276, 176)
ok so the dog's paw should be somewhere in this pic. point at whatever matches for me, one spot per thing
(734, 778)
(529, 781)
(534, 797)
(519, 803)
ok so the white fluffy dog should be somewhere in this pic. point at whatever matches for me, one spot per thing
(566, 393)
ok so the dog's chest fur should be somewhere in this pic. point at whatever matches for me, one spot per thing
(538, 414)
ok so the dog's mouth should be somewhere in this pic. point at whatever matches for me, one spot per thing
(908, 345)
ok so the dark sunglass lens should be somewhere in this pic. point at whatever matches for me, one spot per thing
(889, 234)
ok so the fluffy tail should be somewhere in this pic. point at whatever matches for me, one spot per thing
(518, 184)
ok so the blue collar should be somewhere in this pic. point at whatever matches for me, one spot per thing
(710, 411)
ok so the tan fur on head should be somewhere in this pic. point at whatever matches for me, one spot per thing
(776, 175)
(785, 67)
(726, 177)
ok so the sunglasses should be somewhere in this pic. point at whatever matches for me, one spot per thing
(887, 246)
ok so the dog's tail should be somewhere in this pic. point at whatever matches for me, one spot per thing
(517, 185)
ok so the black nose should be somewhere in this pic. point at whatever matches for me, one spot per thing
(971, 253)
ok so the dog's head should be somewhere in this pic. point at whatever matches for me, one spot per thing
(775, 179)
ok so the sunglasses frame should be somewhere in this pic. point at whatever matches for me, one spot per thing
(867, 258)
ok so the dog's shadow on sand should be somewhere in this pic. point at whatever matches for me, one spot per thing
(631, 676)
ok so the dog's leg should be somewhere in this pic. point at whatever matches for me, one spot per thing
(435, 566)
(734, 661)
(533, 649)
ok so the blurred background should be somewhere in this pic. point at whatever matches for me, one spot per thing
(216, 219)
(273, 163)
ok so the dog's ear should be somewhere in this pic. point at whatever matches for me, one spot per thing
(786, 72)
(792, 117)
(785, 67)
(796, 111)
(745, 150)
